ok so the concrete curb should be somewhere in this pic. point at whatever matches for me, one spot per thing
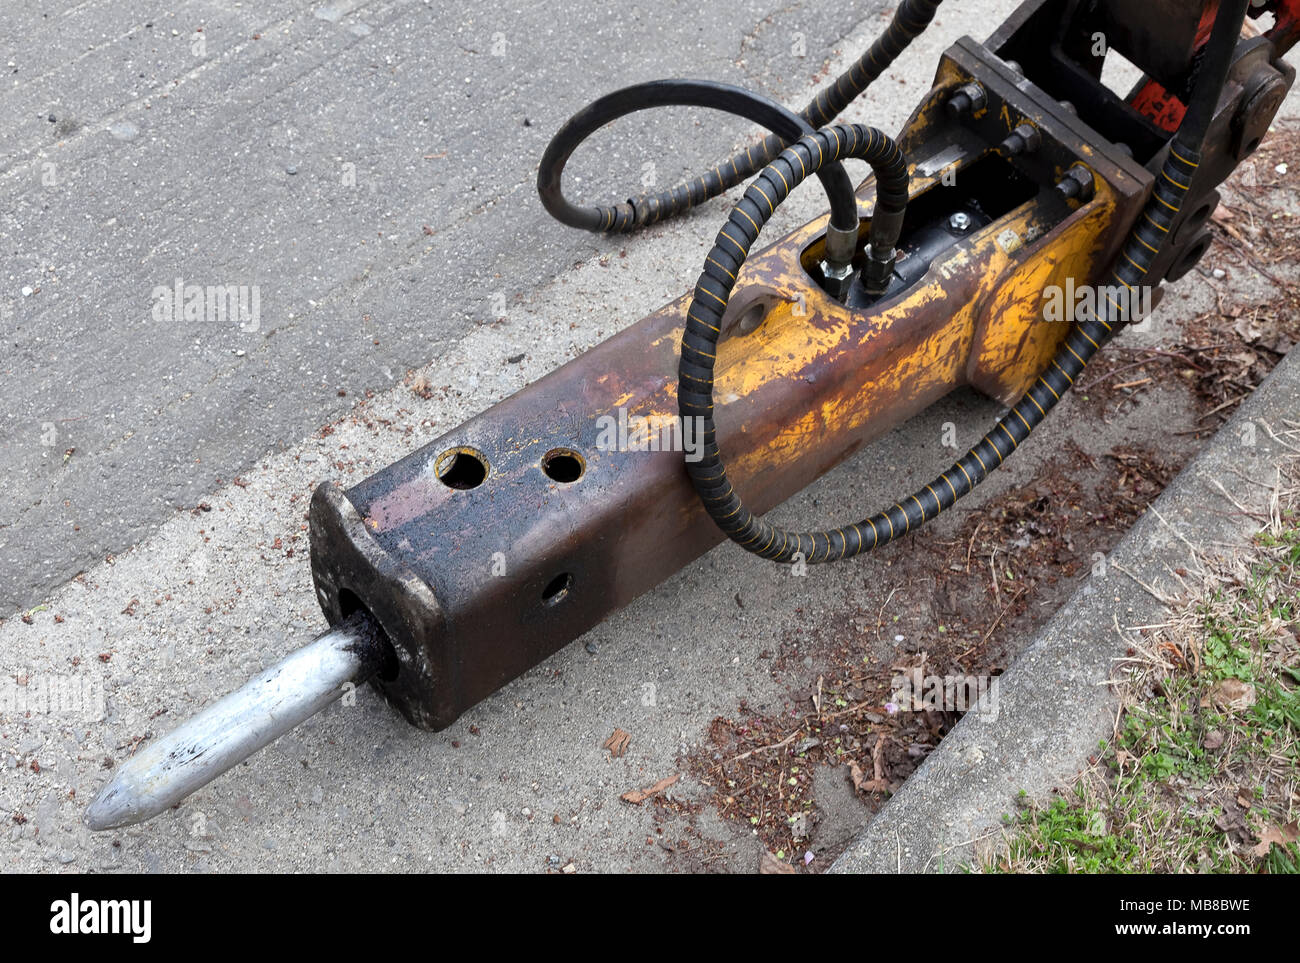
(1048, 711)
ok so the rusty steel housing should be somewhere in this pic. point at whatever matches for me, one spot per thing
(487, 550)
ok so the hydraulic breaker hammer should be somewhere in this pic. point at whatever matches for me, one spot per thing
(1019, 178)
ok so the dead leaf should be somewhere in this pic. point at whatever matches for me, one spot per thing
(769, 865)
(1230, 694)
(878, 782)
(638, 796)
(1249, 329)
(617, 743)
(1282, 835)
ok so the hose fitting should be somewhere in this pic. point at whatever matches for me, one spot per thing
(841, 245)
(837, 267)
(879, 270)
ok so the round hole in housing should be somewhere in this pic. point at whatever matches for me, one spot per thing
(1190, 256)
(1202, 214)
(557, 589)
(563, 465)
(461, 468)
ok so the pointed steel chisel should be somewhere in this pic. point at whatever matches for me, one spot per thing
(230, 730)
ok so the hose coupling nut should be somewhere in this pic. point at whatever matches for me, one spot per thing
(879, 270)
(836, 277)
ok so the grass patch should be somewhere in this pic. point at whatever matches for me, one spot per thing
(1200, 774)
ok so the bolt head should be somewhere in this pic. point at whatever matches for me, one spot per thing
(960, 222)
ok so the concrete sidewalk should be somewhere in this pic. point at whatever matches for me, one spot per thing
(1053, 704)
(367, 166)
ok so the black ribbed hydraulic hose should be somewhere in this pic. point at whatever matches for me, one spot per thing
(909, 21)
(675, 93)
(699, 341)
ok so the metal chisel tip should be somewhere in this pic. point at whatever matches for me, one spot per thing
(229, 731)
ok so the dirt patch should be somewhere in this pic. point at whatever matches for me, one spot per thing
(980, 595)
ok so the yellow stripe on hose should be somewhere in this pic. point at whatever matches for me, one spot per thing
(1155, 222)
(934, 496)
(748, 218)
(920, 506)
(725, 271)
(714, 296)
(723, 233)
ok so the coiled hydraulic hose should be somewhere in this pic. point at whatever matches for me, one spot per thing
(676, 93)
(908, 22)
(1140, 250)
